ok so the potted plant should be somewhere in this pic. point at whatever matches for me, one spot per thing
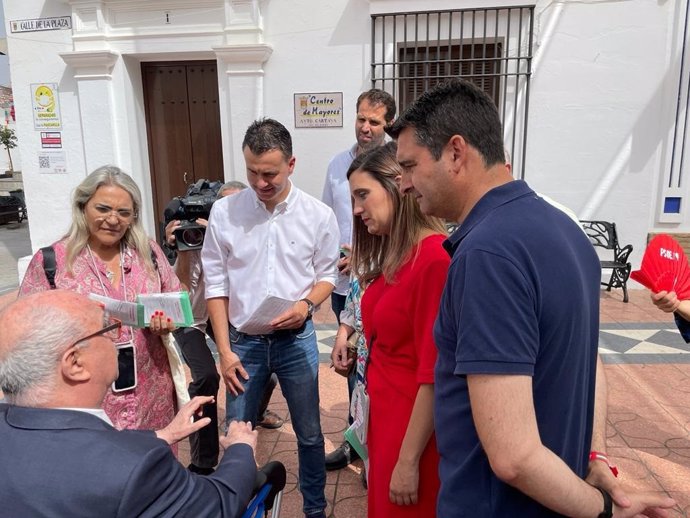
(9, 140)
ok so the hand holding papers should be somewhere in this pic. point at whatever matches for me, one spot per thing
(270, 308)
(125, 312)
(175, 305)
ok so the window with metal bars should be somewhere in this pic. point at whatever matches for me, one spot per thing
(414, 51)
(423, 68)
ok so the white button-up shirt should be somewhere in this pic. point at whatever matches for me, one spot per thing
(336, 194)
(250, 253)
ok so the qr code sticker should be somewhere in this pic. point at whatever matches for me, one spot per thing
(43, 162)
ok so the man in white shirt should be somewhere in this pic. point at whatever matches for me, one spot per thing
(272, 240)
(196, 353)
(375, 110)
(57, 362)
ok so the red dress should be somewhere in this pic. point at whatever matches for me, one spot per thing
(398, 322)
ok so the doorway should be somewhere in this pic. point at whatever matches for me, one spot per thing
(183, 128)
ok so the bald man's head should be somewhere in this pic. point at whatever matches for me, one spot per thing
(36, 332)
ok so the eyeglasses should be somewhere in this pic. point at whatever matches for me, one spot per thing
(111, 329)
(122, 214)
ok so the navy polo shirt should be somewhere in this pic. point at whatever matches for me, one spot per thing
(522, 297)
(683, 327)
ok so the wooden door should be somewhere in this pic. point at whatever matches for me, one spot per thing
(183, 128)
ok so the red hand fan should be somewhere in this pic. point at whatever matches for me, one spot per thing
(641, 277)
(664, 267)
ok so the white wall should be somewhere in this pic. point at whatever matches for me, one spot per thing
(602, 95)
(599, 110)
(317, 47)
(35, 60)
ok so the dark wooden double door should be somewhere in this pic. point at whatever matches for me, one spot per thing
(183, 128)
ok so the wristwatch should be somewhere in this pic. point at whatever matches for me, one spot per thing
(310, 307)
(608, 505)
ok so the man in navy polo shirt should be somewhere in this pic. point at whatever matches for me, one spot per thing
(518, 324)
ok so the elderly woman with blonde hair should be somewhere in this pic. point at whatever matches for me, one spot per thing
(106, 252)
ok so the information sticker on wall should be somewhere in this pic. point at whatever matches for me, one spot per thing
(46, 106)
(319, 110)
(52, 162)
(51, 139)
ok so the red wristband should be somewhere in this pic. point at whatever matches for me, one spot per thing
(596, 455)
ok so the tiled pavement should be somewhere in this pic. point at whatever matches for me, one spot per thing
(648, 370)
(14, 243)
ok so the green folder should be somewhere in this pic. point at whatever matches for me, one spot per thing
(175, 305)
(361, 449)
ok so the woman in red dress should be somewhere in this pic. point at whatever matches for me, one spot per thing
(399, 258)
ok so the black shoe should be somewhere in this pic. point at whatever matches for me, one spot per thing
(200, 471)
(341, 457)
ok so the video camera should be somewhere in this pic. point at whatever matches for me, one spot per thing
(188, 208)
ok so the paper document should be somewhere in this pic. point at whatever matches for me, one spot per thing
(176, 306)
(270, 308)
(356, 434)
(125, 312)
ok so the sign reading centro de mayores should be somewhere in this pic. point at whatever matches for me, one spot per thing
(41, 24)
(321, 110)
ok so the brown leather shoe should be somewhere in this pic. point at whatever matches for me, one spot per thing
(270, 420)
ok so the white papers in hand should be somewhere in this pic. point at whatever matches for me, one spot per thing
(169, 303)
(270, 308)
(125, 312)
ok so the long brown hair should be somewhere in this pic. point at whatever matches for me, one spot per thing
(384, 255)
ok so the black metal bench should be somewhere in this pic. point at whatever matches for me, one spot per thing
(12, 207)
(603, 234)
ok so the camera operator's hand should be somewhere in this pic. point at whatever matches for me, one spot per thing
(233, 373)
(201, 221)
(170, 229)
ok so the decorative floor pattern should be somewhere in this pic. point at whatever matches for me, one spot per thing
(642, 343)
(618, 343)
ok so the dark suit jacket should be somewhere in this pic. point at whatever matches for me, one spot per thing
(65, 463)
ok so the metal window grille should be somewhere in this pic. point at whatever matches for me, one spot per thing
(414, 51)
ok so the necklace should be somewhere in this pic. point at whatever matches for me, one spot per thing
(109, 274)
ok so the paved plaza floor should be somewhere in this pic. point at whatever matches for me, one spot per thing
(648, 370)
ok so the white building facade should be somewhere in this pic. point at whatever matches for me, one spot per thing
(593, 94)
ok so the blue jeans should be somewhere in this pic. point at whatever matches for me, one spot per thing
(294, 357)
